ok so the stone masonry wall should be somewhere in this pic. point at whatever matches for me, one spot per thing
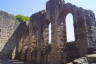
(11, 32)
(56, 12)
(29, 41)
(8, 24)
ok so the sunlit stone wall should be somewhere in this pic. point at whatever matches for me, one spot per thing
(8, 24)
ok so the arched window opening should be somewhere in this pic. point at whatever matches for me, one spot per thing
(70, 28)
(49, 28)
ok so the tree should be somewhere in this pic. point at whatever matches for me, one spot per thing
(22, 18)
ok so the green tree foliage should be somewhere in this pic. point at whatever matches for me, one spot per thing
(22, 18)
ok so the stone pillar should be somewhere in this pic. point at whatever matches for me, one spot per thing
(43, 45)
(40, 29)
(47, 44)
(80, 31)
(22, 45)
(58, 40)
(33, 47)
(46, 34)
(61, 40)
(53, 11)
(91, 29)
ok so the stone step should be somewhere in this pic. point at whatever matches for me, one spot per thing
(88, 59)
(11, 62)
(91, 58)
(16, 62)
(92, 63)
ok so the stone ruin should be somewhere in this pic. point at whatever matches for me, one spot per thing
(29, 41)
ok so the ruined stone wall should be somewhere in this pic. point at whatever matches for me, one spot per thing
(11, 33)
(38, 29)
(23, 41)
(29, 41)
(84, 28)
(91, 28)
(8, 24)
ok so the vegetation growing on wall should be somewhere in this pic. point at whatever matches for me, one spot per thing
(22, 18)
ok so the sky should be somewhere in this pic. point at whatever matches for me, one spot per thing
(25, 7)
(29, 7)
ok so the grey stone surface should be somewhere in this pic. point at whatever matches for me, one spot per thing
(29, 41)
(61, 50)
(8, 25)
(4, 61)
